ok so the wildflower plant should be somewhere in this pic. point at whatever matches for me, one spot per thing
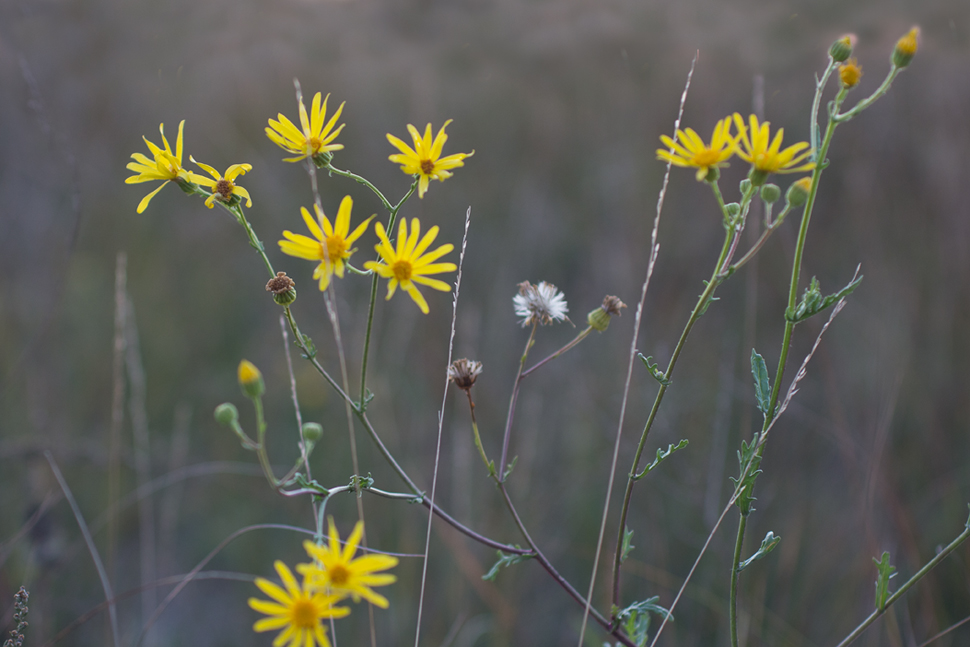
(304, 612)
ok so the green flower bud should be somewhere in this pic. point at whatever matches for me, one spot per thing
(312, 432)
(906, 48)
(770, 193)
(798, 192)
(841, 49)
(283, 289)
(250, 380)
(745, 186)
(733, 209)
(226, 414)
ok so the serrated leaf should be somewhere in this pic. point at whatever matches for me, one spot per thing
(654, 369)
(813, 302)
(636, 618)
(767, 545)
(627, 545)
(748, 462)
(504, 561)
(661, 455)
(508, 470)
(882, 579)
(762, 385)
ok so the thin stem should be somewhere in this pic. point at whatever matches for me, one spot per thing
(578, 338)
(816, 102)
(739, 542)
(515, 396)
(702, 302)
(373, 288)
(905, 587)
(868, 101)
(478, 439)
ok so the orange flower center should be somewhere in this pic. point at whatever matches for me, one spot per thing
(706, 157)
(427, 167)
(315, 144)
(336, 248)
(303, 614)
(339, 575)
(402, 270)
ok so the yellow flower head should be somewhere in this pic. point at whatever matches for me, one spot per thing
(425, 160)
(906, 48)
(331, 244)
(296, 610)
(315, 137)
(337, 572)
(849, 73)
(223, 187)
(408, 264)
(691, 150)
(166, 165)
(250, 379)
(765, 154)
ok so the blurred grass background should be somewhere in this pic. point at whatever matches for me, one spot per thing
(563, 102)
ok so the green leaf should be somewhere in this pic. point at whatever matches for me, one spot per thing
(661, 455)
(813, 302)
(361, 483)
(710, 300)
(636, 618)
(301, 480)
(311, 349)
(627, 546)
(762, 386)
(654, 370)
(748, 461)
(504, 561)
(508, 470)
(882, 579)
(767, 545)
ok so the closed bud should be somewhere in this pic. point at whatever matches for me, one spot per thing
(312, 432)
(745, 186)
(226, 414)
(770, 193)
(250, 380)
(733, 209)
(798, 192)
(841, 49)
(906, 48)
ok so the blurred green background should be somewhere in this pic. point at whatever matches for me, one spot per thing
(563, 102)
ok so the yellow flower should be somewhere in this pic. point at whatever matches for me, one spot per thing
(406, 265)
(766, 157)
(425, 160)
(906, 48)
(330, 244)
(691, 150)
(297, 610)
(314, 139)
(165, 166)
(849, 73)
(223, 186)
(337, 572)
(250, 379)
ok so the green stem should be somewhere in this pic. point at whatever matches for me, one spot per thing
(699, 307)
(373, 284)
(578, 338)
(868, 101)
(819, 87)
(261, 445)
(905, 587)
(734, 581)
(512, 400)
(478, 439)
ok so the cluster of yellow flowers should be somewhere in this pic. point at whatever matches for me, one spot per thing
(752, 143)
(331, 243)
(299, 609)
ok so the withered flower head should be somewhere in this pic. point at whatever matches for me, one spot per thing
(280, 283)
(464, 372)
(599, 319)
(613, 305)
(542, 303)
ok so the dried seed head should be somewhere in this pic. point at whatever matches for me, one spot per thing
(282, 287)
(541, 303)
(464, 372)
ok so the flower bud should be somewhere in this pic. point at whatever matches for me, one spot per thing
(906, 48)
(226, 414)
(250, 380)
(282, 287)
(599, 319)
(841, 50)
(850, 73)
(733, 209)
(770, 193)
(798, 192)
(745, 186)
(312, 432)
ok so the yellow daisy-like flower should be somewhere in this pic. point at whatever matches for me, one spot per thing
(765, 157)
(166, 165)
(315, 137)
(297, 610)
(331, 244)
(424, 160)
(408, 264)
(692, 151)
(223, 187)
(337, 571)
